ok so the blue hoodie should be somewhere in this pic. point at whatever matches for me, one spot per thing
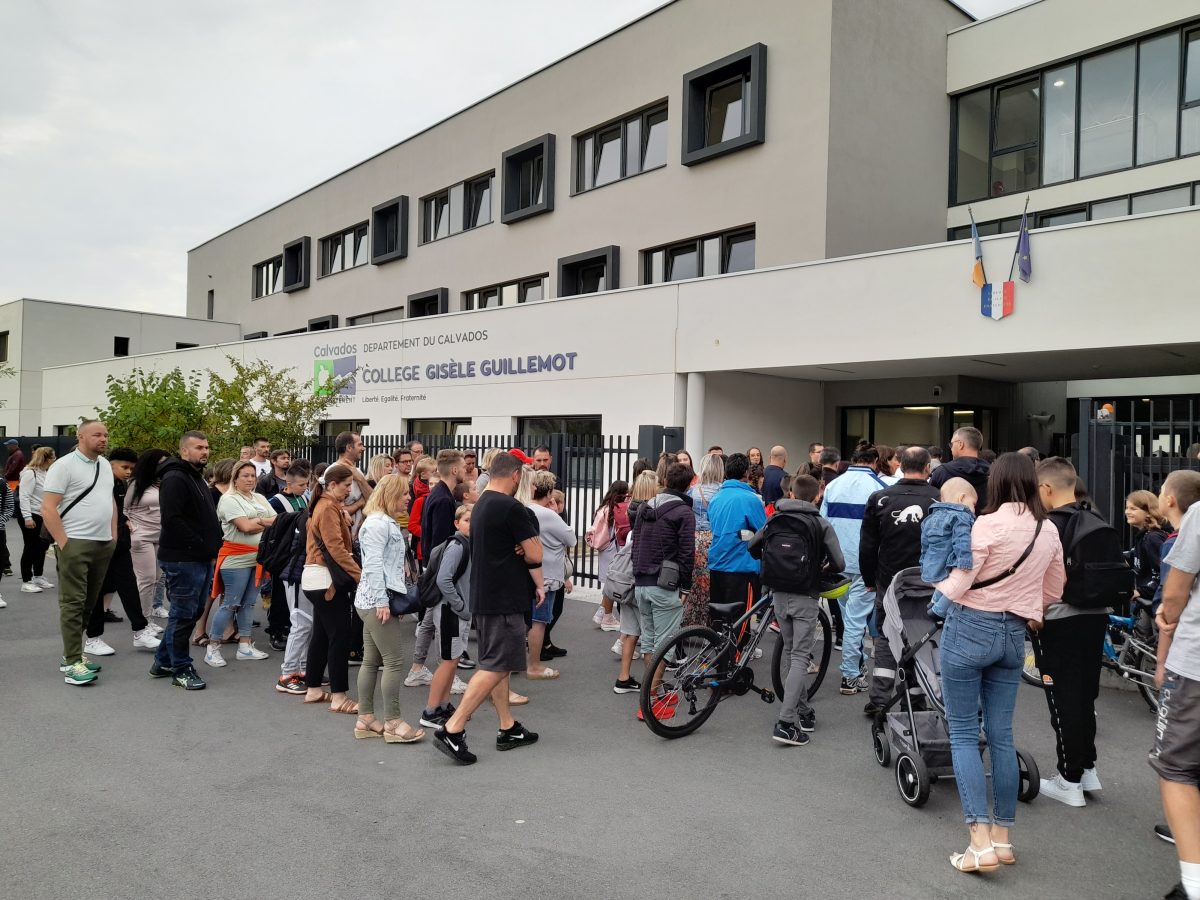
(735, 507)
(845, 506)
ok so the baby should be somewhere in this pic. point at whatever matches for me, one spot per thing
(946, 538)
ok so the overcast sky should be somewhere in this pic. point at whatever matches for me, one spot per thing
(135, 130)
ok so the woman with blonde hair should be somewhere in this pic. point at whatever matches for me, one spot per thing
(33, 552)
(381, 465)
(1142, 515)
(485, 464)
(645, 487)
(711, 476)
(384, 550)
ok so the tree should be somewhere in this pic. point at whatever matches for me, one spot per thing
(146, 409)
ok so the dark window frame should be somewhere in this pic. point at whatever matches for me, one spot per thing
(571, 267)
(448, 194)
(522, 286)
(256, 282)
(622, 122)
(512, 162)
(726, 237)
(421, 299)
(326, 245)
(120, 349)
(361, 318)
(749, 64)
(380, 252)
(254, 336)
(323, 323)
(297, 257)
(211, 304)
(4, 340)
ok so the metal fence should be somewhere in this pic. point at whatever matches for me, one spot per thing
(1134, 446)
(585, 465)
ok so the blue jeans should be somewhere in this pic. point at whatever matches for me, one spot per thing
(982, 654)
(856, 607)
(240, 595)
(188, 586)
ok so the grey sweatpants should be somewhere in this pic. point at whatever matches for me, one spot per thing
(797, 617)
(425, 631)
(295, 655)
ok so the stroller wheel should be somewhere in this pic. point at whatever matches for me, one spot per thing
(879, 741)
(912, 778)
(1030, 783)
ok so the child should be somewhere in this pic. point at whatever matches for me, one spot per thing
(796, 610)
(451, 619)
(946, 538)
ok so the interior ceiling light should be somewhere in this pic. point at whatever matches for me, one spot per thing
(921, 408)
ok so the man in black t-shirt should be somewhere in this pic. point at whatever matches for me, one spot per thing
(506, 559)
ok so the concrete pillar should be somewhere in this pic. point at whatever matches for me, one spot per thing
(694, 415)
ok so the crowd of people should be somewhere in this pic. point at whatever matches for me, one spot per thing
(344, 555)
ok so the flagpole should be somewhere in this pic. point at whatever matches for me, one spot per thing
(1017, 249)
(975, 234)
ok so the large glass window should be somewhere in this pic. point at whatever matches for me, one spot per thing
(459, 208)
(268, 277)
(345, 250)
(1015, 138)
(1190, 127)
(620, 149)
(1110, 209)
(1058, 117)
(1173, 198)
(972, 161)
(1158, 98)
(1106, 98)
(479, 202)
(524, 290)
(654, 140)
(725, 109)
(716, 254)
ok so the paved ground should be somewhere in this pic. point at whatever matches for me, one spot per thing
(131, 788)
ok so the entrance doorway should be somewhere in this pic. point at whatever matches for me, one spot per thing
(928, 426)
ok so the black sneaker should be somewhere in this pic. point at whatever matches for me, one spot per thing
(554, 651)
(279, 643)
(628, 685)
(517, 736)
(465, 661)
(157, 671)
(436, 718)
(355, 658)
(110, 616)
(1177, 893)
(8, 573)
(808, 723)
(871, 708)
(1163, 833)
(854, 685)
(786, 733)
(189, 679)
(454, 746)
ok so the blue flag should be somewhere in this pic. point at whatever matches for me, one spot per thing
(1024, 263)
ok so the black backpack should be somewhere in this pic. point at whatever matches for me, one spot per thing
(427, 590)
(1098, 575)
(792, 554)
(276, 547)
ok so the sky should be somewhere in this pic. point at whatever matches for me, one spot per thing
(130, 132)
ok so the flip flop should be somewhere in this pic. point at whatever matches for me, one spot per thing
(547, 674)
(347, 706)
(324, 698)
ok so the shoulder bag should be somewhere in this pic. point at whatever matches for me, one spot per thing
(45, 532)
(343, 581)
(995, 579)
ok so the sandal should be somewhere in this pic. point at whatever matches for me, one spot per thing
(1009, 847)
(323, 698)
(958, 860)
(366, 730)
(347, 706)
(547, 674)
(408, 736)
(515, 699)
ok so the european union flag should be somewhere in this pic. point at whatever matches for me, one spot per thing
(1024, 263)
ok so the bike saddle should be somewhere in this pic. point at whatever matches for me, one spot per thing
(726, 611)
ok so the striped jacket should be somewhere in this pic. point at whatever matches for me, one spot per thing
(845, 505)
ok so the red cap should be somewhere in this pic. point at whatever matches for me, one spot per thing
(520, 454)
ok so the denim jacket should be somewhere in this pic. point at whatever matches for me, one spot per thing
(945, 540)
(383, 550)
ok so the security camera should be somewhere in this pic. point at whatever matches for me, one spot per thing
(937, 390)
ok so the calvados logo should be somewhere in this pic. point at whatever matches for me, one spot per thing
(326, 372)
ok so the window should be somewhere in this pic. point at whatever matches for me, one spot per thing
(324, 323)
(3, 346)
(1172, 198)
(212, 302)
(456, 209)
(1109, 209)
(295, 264)
(1058, 124)
(254, 336)
(345, 250)
(715, 254)
(1015, 138)
(972, 132)
(303, 330)
(1061, 217)
(1106, 97)
(429, 303)
(587, 273)
(384, 315)
(724, 105)
(1158, 98)
(268, 279)
(526, 290)
(437, 427)
(1190, 125)
(629, 146)
(180, 345)
(120, 346)
(389, 231)
(528, 180)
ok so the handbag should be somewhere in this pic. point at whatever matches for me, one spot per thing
(401, 604)
(988, 582)
(668, 575)
(343, 581)
(45, 532)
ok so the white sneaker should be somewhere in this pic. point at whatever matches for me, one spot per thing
(146, 639)
(610, 623)
(97, 647)
(249, 651)
(156, 628)
(459, 686)
(213, 657)
(3, 603)
(159, 612)
(30, 587)
(42, 582)
(1058, 788)
(1091, 781)
(599, 615)
(758, 652)
(616, 648)
(419, 677)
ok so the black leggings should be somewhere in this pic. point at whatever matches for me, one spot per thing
(558, 611)
(33, 555)
(330, 642)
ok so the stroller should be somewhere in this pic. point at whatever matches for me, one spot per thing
(913, 722)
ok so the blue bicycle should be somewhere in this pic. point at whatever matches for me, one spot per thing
(1130, 649)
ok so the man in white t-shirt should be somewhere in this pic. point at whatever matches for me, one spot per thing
(79, 512)
(261, 457)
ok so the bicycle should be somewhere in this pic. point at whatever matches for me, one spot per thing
(1130, 650)
(704, 666)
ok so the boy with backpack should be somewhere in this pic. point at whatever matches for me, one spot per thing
(795, 546)
(290, 500)
(1069, 644)
(281, 552)
(449, 572)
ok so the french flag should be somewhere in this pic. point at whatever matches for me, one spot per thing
(996, 300)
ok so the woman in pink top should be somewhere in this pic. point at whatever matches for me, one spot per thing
(1018, 572)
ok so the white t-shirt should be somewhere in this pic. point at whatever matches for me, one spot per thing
(261, 467)
(71, 475)
(1184, 656)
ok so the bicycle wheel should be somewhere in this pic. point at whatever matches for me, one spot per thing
(1136, 655)
(823, 638)
(1029, 671)
(696, 656)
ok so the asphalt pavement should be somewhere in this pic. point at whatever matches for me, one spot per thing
(132, 788)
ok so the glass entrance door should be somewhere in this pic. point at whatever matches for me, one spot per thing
(928, 426)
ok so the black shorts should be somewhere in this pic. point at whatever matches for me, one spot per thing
(501, 642)
(1176, 753)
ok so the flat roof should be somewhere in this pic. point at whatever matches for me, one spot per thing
(132, 312)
